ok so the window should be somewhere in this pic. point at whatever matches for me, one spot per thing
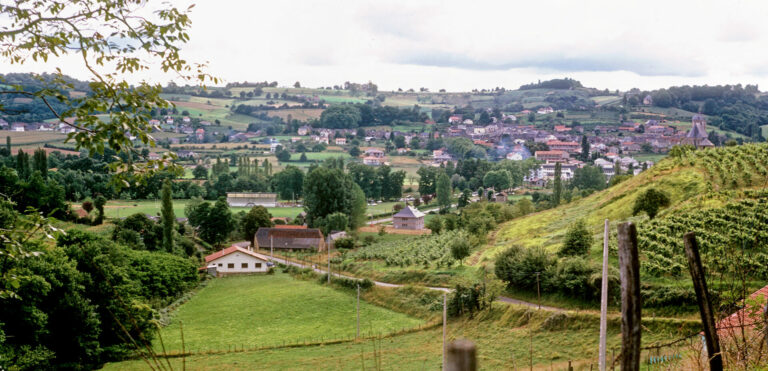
(257, 265)
(244, 265)
(219, 264)
(230, 265)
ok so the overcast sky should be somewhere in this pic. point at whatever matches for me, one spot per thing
(477, 44)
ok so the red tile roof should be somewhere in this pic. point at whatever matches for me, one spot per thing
(231, 249)
(754, 311)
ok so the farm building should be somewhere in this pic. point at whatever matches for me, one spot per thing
(285, 237)
(408, 218)
(235, 259)
(252, 199)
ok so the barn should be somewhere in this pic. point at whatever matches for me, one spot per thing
(251, 199)
(234, 260)
(289, 238)
(408, 218)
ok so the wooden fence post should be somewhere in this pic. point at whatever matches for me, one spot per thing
(705, 305)
(630, 297)
(461, 356)
(604, 301)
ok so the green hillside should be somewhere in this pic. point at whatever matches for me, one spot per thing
(714, 192)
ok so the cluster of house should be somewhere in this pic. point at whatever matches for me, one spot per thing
(58, 127)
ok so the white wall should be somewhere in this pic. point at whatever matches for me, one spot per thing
(237, 258)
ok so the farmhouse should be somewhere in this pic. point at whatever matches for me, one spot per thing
(287, 238)
(235, 259)
(341, 141)
(251, 199)
(373, 152)
(408, 218)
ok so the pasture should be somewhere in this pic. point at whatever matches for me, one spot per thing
(270, 309)
(123, 208)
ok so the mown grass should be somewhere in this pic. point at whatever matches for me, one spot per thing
(123, 208)
(272, 309)
(504, 337)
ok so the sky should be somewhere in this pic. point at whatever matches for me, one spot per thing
(463, 45)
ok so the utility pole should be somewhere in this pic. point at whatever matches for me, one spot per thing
(604, 300)
(445, 317)
(358, 309)
(538, 288)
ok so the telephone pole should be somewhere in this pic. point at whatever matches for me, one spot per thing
(604, 300)
(445, 317)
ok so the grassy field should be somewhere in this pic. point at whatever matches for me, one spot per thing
(506, 337)
(270, 309)
(123, 208)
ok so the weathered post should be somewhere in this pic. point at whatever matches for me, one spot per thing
(445, 323)
(328, 246)
(272, 248)
(604, 300)
(630, 297)
(461, 356)
(183, 348)
(538, 288)
(705, 305)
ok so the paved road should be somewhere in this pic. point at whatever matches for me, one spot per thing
(503, 299)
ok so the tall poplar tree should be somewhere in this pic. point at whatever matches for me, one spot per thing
(443, 189)
(167, 216)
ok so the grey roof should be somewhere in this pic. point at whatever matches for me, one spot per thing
(697, 131)
(409, 212)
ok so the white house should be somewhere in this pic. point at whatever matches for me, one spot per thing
(235, 259)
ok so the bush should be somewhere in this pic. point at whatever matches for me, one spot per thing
(467, 300)
(573, 277)
(344, 243)
(577, 240)
(650, 202)
(369, 240)
(518, 266)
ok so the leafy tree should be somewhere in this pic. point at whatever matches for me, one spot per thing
(588, 177)
(518, 266)
(22, 165)
(355, 151)
(443, 189)
(399, 141)
(464, 198)
(257, 217)
(99, 203)
(558, 186)
(650, 202)
(435, 224)
(289, 183)
(327, 191)
(427, 179)
(335, 222)
(340, 117)
(578, 240)
(584, 148)
(200, 172)
(359, 205)
(460, 248)
(87, 206)
(497, 179)
(303, 157)
(167, 216)
(40, 162)
(283, 155)
(218, 224)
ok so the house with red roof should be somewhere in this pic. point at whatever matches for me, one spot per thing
(235, 260)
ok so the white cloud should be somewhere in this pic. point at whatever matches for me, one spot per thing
(460, 45)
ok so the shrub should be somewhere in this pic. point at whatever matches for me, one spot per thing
(572, 276)
(650, 202)
(344, 243)
(518, 266)
(577, 240)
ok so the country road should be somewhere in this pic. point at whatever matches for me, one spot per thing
(320, 270)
